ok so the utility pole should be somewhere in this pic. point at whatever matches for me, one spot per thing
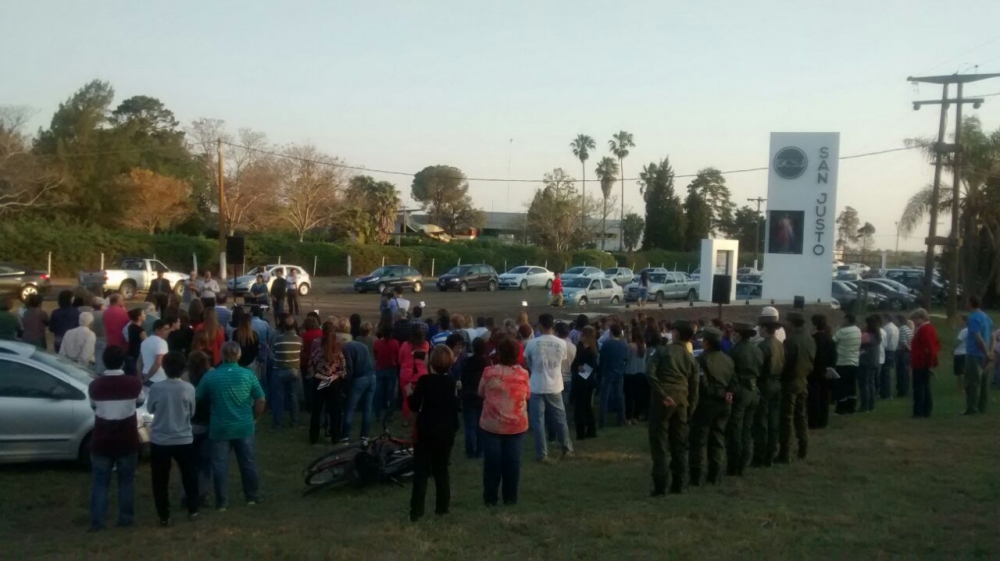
(510, 147)
(756, 239)
(954, 240)
(222, 212)
(897, 239)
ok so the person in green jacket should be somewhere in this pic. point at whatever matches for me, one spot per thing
(766, 418)
(673, 383)
(748, 361)
(716, 390)
(800, 353)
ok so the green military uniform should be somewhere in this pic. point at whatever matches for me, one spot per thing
(748, 361)
(709, 421)
(673, 373)
(800, 354)
(766, 418)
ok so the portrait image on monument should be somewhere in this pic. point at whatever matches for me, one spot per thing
(785, 233)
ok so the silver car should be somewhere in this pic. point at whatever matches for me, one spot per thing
(241, 285)
(527, 276)
(581, 291)
(620, 275)
(45, 413)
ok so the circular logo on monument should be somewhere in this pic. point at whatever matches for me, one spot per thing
(790, 162)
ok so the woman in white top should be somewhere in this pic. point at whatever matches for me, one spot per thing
(959, 355)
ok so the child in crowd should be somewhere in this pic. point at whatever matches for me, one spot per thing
(434, 400)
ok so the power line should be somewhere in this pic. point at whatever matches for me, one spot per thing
(498, 179)
(963, 53)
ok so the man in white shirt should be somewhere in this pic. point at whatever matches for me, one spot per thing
(152, 351)
(207, 286)
(890, 342)
(848, 340)
(544, 356)
(562, 331)
(79, 343)
(903, 357)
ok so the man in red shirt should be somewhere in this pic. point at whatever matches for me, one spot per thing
(924, 351)
(115, 320)
(557, 292)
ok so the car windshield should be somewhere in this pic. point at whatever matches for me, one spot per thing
(658, 278)
(610, 271)
(518, 271)
(577, 283)
(576, 271)
(379, 272)
(460, 270)
(845, 268)
(63, 365)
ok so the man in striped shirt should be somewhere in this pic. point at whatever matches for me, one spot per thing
(848, 340)
(286, 379)
(114, 443)
(903, 356)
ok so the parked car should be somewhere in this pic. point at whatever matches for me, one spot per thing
(581, 291)
(695, 274)
(527, 276)
(241, 284)
(848, 277)
(45, 413)
(895, 285)
(895, 300)
(469, 277)
(22, 282)
(750, 278)
(649, 270)
(390, 276)
(668, 285)
(587, 272)
(914, 279)
(749, 290)
(748, 271)
(849, 297)
(131, 276)
(619, 275)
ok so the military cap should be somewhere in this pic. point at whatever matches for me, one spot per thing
(681, 324)
(712, 334)
(742, 326)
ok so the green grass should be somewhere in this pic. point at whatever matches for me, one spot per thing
(878, 485)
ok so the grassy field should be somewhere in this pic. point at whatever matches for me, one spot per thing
(878, 485)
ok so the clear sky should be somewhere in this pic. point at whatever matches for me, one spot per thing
(404, 84)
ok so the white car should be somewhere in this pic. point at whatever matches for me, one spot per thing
(695, 274)
(241, 285)
(585, 272)
(45, 413)
(527, 276)
(581, 291)
(619, 275)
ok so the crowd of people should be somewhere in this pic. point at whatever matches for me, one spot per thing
(713, 394)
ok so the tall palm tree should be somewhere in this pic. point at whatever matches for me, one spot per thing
(607, 172)
(582, 145)
(619, 145)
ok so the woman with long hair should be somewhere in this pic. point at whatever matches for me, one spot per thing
(636, 387)
(472, 403)
(584, 370)
(327, 370)
(200, 344)
(871, 343)
(215, 333)
(196, 313)
(818, 401)
(413, 356)
(248, 340)
(234, 322)
(355, 323)
(504, 391)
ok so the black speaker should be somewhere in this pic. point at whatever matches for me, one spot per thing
(799, 302)
(722, 285)
(234, 249)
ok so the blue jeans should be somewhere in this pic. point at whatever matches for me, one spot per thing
(902, 372)
(101, 468)
(501, 465)
(473, 434)
(612, 396)
(867, 388)
(245, 457)
(286, 391)
(885, 375)
(387, 380)
(538, 406)
(567, 388)
(363, 392)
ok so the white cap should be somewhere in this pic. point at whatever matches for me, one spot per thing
(769, 312)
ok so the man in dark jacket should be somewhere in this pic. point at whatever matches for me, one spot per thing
(279, 288)
(800, 353)
(748, 360)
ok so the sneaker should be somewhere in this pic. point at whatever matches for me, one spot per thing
(253, 503)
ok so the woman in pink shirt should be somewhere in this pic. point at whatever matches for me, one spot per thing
(505, 392)
(412, 364)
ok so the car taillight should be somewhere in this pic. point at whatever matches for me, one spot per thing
(44, 277)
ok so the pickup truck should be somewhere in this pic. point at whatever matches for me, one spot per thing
(667, 285)
(131, 276)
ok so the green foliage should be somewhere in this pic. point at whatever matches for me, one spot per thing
(710, 185)
(665, 221)
(372, 207)
(444, 193)
(848, 225)
(698, 223)
(747, 224)
(632, 226)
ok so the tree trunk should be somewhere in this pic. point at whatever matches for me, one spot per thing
(621, 219)
(604, 223)
(583, 198)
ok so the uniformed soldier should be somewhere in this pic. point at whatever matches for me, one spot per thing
(766, 418)
(717, 386)
(800, 353)
(748, 361)
(673, 382)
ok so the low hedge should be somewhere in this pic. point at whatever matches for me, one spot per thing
(76, 247)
